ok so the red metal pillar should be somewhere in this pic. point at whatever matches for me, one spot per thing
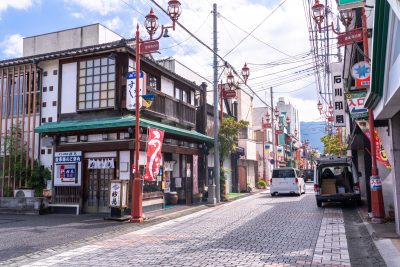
(136, 198)
(263, 148)
(377, 204)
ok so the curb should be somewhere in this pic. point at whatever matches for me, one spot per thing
(389, 253)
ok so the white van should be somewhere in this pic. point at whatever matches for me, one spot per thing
(287, 181)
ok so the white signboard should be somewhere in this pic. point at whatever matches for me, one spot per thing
(338, 95)
(118, 194)
(131, 90)
(68, 167)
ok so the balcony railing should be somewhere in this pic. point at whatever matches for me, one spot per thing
(172, 109)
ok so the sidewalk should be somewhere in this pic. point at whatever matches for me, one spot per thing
(385, 238)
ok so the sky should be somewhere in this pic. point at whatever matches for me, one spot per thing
(276, 51)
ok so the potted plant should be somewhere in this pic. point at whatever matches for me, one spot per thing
(262, 184)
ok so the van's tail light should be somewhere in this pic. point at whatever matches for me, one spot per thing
(356, 187)
(296, 180)
(315, 187)
(270, 181)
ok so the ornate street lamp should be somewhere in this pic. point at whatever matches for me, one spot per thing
(267, 117)
(230, 79)
(276, 112)
(318, 13)
(346, 17)
(151, 25)
(245, 73)
(330, 108)
(319, 105)
(288, 120)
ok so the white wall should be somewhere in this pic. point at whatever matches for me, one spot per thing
(167, 86)
(68, 88)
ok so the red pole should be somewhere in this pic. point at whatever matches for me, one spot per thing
(377, 204)
(263, 148)
(136, 198)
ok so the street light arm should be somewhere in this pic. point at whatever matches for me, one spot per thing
(163, 28)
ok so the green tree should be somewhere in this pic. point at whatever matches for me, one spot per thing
(228, 140)
(332, 145)
(35, 177)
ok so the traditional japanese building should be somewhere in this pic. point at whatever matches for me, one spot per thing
(66, 99)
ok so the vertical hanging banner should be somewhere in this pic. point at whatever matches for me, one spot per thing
(195, 174)
(338, 95)
(131, 90)
(154, 146)
(381, 154)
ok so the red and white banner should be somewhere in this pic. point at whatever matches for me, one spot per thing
(154, 146)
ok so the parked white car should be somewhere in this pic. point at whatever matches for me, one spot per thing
(287, 181)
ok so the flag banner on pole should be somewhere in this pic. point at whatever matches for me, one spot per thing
(154, 146)
(381, 154)
(148, 100)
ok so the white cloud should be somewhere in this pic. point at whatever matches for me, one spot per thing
(77, 15)
(12, 46)
(103, 7)
(114, 24)
(17, 4)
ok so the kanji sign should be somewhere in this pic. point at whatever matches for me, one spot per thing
(131, 90)
(153, 161)
(149, 47)
(349, 37)
(338, 98)
(227, 94)
(355, 102)
(67, 168)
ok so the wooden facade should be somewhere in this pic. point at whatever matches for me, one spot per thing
(20, 109)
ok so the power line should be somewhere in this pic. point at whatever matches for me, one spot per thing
(241, 41)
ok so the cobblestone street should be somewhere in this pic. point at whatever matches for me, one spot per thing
(259, 230)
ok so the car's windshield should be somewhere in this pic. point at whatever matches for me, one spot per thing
(283, 173)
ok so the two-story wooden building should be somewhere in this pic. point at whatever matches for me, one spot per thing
(69, 105)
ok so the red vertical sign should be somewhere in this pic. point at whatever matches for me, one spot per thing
(154, 146)
(62, 172)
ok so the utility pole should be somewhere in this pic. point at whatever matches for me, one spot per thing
(273, 127)
(213, 189)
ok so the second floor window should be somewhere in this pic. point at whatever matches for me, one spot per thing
(96, 83)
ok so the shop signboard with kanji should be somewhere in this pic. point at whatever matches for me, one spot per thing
(350, 37)
(338, 95)
(68, 167)
(355, 102)
(118, 194)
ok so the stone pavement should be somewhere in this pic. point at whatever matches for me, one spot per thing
(259, 230)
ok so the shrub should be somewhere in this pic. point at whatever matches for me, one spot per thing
(262, 184)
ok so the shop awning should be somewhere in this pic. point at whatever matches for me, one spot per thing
(116, 122)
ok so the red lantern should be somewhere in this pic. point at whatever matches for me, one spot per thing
(230, 79)
(319, 106)
(276, 112)
(346, 17)
(151, 23)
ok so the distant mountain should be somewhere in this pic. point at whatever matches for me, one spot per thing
(313, 131)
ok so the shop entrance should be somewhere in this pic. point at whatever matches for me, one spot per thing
(96, 182)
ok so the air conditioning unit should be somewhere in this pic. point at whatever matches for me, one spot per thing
(24, 193)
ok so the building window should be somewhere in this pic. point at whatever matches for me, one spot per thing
(44, 104)
(50, 119)
(49, 151)
(54, 103)
(51, 88)
(243, 133)
(96, 83)
(43, 120)
(42, 151)
(45, 73)
(152, 82)
(54, 72)
(45, 89)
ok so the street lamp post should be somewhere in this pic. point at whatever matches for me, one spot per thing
(151, 25)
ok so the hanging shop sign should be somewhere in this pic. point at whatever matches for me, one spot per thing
(101, 164)
(338, 98)
(118, 194)
(228, 94)
(131, 90)
(347, 4)
(350, 37)
(154, 146)
(267, 148)
(149, 47)
(355, 102)
(195, 174)
(68, 167)
(381, 154)
(361, 72)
